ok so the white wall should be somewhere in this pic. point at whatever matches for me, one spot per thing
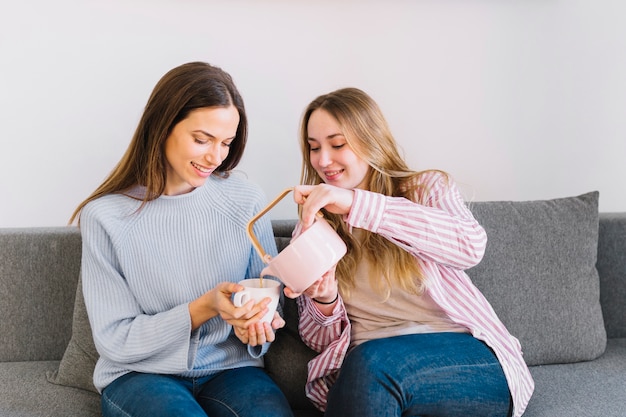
(517, 99)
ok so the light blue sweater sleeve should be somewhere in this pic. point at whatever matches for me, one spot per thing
(140, 269)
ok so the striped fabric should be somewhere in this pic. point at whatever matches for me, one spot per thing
(140, 271)
(445, 239)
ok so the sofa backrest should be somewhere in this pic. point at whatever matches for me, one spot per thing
(39, 270)
(612, 269)
(38, 274)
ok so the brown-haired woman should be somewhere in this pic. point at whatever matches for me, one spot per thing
(164, 245)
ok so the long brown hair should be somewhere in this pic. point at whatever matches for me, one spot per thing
(181, 90)
(367, 133)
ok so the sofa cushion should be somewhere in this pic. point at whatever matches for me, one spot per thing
(25, 392)
(592, 388)
(78, 362)
(539, 273)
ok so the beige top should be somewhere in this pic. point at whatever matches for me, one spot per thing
(402, 313)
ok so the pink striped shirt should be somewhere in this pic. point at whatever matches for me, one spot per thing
(445, 239)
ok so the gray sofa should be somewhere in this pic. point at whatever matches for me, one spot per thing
(554, 270)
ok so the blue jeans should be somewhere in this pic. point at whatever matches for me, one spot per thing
(246, 391)
(434, 374)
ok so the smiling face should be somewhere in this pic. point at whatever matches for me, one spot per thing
(331, 155)
(197, 146)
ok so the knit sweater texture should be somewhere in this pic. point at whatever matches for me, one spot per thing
(140, 269)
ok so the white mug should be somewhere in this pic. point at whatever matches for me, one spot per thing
(254, 291)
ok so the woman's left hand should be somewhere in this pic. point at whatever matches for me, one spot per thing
(325, 287)
(259, 332)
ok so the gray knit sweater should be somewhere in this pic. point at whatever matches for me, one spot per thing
(141, 269)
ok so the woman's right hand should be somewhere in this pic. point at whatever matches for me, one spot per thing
(315, 197)
(218, 302)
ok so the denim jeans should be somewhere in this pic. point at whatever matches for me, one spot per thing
(434, 374)
(245, 392)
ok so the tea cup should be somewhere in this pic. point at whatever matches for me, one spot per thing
(257, 289)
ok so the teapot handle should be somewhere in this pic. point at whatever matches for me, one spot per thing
(255, 242)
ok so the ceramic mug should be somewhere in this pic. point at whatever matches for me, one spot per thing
(254, 291)
(307, 257)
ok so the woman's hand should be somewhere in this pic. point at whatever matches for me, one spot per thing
(212, 303)
(259, 332)
(315, 197)
(247, 325)
(218, 302)
(324, 289)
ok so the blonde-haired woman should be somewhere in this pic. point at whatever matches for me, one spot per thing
(400, 328)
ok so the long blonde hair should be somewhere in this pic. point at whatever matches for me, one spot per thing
(367, 133)
(181, 90)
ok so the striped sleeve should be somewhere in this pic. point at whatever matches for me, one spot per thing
(443, 230)
(329, 335)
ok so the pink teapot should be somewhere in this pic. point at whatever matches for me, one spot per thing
(307, 257)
